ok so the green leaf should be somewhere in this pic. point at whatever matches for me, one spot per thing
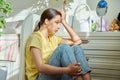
(2, 23)
(5, 10)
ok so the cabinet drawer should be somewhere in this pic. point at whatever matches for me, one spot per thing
(102, 44)
(103, 59)
(103, 54)
(104, 77)
(104, 63)
(104, 74)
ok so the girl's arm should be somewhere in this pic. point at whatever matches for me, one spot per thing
(74, 38)
(72, 69)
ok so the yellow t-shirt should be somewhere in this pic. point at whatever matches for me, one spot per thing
(37, 40)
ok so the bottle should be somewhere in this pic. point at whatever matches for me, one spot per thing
(93, 26)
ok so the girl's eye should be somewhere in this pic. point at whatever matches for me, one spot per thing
(57, 22)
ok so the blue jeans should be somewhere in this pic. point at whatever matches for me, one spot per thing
(63, 56)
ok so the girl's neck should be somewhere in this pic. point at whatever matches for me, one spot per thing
(44, 32)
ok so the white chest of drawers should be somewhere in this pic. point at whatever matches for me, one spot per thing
(103, 51)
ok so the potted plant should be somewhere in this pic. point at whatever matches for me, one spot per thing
(5, 10)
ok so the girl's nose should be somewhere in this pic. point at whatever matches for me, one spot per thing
(59, 27)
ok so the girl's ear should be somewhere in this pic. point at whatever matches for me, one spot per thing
(46, 21)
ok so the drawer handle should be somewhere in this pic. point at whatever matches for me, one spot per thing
(85, 41)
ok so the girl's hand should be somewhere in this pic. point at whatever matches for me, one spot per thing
(63, 16)
(74, 69)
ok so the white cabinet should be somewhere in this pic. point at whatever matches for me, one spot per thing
(103, 52)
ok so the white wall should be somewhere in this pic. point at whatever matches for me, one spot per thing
(113, 8)
(21, 6)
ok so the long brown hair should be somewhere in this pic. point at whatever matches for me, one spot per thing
(49, 14)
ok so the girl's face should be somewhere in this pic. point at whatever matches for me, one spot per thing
(54, 24)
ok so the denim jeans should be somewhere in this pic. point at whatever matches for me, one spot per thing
(63, 56)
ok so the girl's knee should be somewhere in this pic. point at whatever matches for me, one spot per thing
(77, 47)
(64, 46)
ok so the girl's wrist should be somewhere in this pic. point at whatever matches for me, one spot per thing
(65, 70)
(64, 22)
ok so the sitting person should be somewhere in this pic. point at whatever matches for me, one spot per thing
(49, 57)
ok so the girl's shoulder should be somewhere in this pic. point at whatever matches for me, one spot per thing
(36, 34)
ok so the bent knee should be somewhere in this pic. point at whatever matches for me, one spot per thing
(77, 46)
(64, 46)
